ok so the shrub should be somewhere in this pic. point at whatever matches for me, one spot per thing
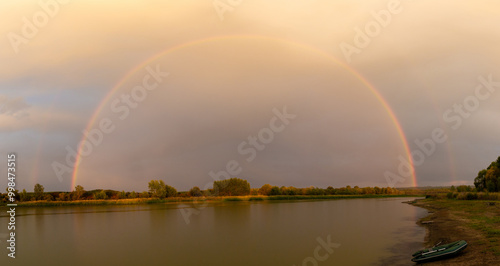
(488, 196)
(232, 187)
(24, 195)
(62, 196)
(275, 191)
(48, 197)
(291, 191)
(317, 191)
(233, 199)
(265, 190)
(100, 195)
(208, 192)
(170, 191)
(256, 199)
(195, 192)
(122, 195)
(254, 192)
(471, 196)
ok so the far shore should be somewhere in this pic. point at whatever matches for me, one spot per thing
(198, 200)
(475, 221)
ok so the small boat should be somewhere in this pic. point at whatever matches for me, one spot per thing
(439, 252)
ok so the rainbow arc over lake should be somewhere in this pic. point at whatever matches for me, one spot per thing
(105, 101)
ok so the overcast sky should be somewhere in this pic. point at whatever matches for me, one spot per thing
(273, 92)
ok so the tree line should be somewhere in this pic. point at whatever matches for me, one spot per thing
(488, 180)
(227, 187)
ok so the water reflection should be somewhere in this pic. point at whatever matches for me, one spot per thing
(224, 233)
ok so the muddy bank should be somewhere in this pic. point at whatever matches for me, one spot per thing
(448, 222)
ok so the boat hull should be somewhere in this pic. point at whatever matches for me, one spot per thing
(440, 252)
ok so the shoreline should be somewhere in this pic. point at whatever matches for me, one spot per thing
(452, 220)
(198, 200)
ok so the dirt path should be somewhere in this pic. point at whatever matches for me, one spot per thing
(443, 225)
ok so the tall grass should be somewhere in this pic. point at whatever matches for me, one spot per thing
(45, 203)
(232, 199)
(474, 196)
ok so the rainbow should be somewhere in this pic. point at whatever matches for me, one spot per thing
(365, 82)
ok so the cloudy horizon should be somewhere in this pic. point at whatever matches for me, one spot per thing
(291, 93)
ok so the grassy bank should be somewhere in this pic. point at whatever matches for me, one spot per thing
(44, 203)
(476, 221)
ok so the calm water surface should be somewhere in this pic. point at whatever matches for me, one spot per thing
(362, 232)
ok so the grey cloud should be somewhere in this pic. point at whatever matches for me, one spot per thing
(15, 107)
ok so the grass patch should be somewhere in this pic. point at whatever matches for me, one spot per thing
(479, 215)
(255, 199)
(232, 199)
(327, 197)
(45, 203)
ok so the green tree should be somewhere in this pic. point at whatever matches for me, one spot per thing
(23, 195)
(232, 187)
(100, 195)
(316, 191)
(132, 195)
(492, 176)
(265, 190)
(48, 197)
(195, 192)
(38, 190)
(170, 191)
(330, 190)
(254, 191)
(122, 195)
(289, 191)
(480, 180)
(62, 196)
(157, 188)
(78, 193)
(489, 179)
(275, 191)
(368, 190)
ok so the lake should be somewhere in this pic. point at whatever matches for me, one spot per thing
(378, 231)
